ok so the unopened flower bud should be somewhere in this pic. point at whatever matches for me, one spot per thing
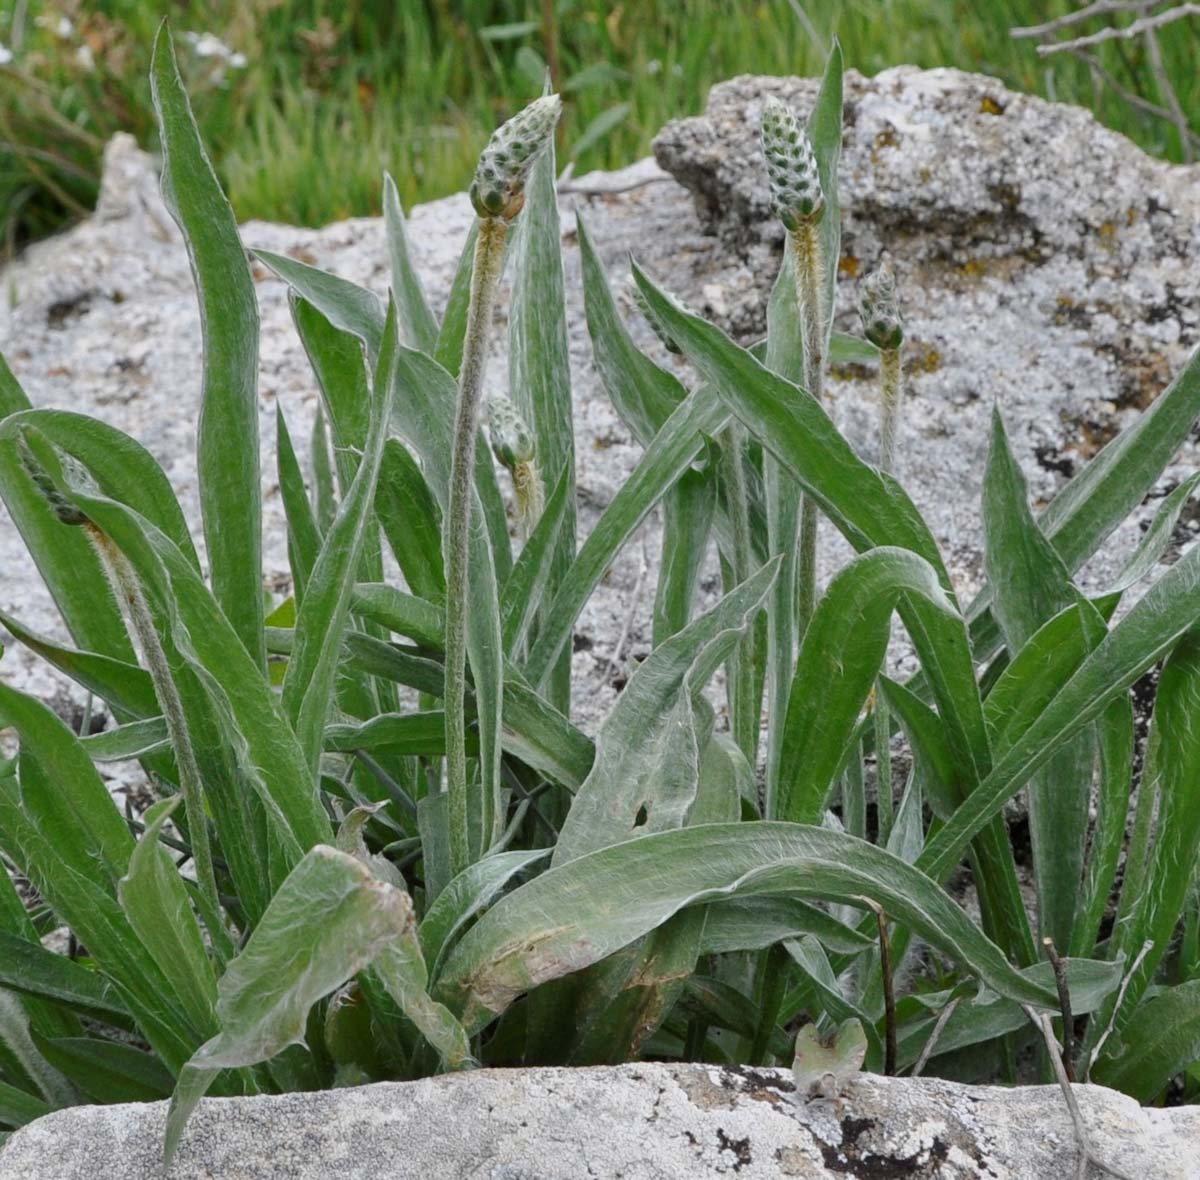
(796, 194)
(511, 439)
(639, 301)
(498, 189)
(880, 309)
(62, 508)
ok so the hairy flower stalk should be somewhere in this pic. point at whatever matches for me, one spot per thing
(883, 327)
(798, 201)
(498, 194)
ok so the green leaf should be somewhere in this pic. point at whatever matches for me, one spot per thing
(755, 923)
(18, 1107)
(643, 393)
(1150, 629)
(123, 685)
(28, 968)
(840, 657)
(1030, 584)
(308, 687)
(539, 368)
(347, 306)
(327, 922)
(526, 587)
(155, 901)
(18, 1050)
(449, 349)
(467, 895)
(825, 134)
(603, 124)
(665, 460)
(108, 1071)
(648, 751)
(824, 1066)
(303, 534)
(411, 521)
(136, 739)
(227, 457)
(78, 816)
(579, 913)
(65, 559)
(416, 618)
(1162, 1040)
(418, 328)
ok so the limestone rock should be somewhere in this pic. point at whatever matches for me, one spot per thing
(635, 1122)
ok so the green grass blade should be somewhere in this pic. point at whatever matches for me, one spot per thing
(648, 752)
(418, 328)
(577, 914)
(467, 895)
(227, 457)
(755, 923)
(326, 923)
(28, 968)
(17, 1107)
(108, 1071)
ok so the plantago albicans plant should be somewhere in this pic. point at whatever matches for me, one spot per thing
(383, 891)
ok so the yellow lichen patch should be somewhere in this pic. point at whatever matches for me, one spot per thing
(849, 266)
(989, 106)
(922, 358)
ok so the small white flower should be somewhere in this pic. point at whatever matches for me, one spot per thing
(208, 45)
(84, 58)
(5, 55)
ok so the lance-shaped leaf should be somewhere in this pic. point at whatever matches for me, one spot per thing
(1150, 629)
(423, 412)
(583, 911)
(1162, 1040)
(648, 750)
(227, 458)
(327, 922)
(155, 901)
(449, 349)
(755, 923)
(666, 459)
(539, 370)
(66, 561)
(1030, 584)
(839, 658)
(308, 687)
(418, 328)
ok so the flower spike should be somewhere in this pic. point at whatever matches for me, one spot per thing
(796, 194)
(498, 189)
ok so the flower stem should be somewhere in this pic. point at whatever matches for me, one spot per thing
(889, 382)
(743, 713)
(806, 243)
(489, 258)
(129, 592)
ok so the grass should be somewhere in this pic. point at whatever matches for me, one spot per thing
(330, 95)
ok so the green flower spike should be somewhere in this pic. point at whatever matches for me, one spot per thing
(880, 309)
(796, 194)
(498, 189)
(512, 442)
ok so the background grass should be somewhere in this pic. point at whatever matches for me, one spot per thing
(330, 93)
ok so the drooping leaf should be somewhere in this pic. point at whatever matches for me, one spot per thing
(327, 922)
(1161, 1040)
(577, 914)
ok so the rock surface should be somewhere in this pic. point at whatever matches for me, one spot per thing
(636, 1122)
(1047, 266)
